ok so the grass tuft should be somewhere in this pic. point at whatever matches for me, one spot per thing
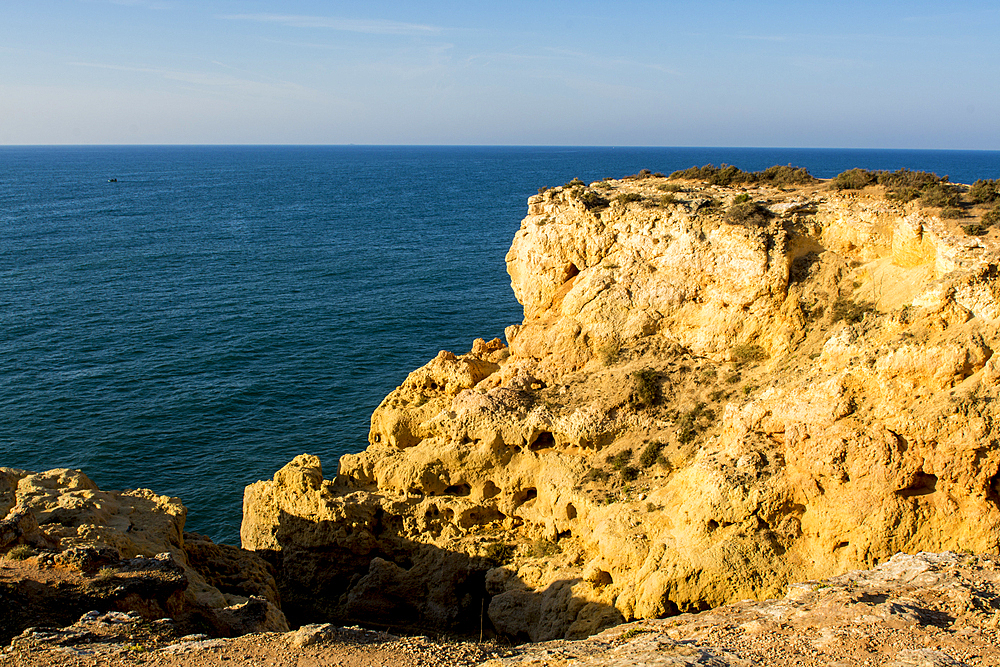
(20, 552)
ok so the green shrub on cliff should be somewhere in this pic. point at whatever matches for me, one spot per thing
(619, 460)
(854, 179)
(982, 227)
(992, 217)
(544, 548)
(850, 311)
(940, 194)
(500, 553)
(727, 174)
(904, 179)
(976, 229)
(646, 390)
(592, 201)
(628, 198)
(747, 353)
(692, 422)
(20, 552)
(902, 185)
(985, 191)
(596, 475)
(651, 454)
(748, 213)
(781, 175)
(610, 352)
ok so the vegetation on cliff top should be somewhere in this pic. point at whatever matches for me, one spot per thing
(777, 175)
(931, 190)
(903, 185)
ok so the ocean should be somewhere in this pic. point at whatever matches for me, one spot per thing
(215, 311)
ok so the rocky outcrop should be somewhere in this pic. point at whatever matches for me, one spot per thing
(70, 548)
(923, 610)
(703, 403)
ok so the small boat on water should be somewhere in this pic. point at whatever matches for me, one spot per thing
(112, 180)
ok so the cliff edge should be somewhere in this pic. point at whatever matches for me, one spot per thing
(717, 389)
(69, 548)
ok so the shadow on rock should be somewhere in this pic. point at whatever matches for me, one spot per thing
(351, 573)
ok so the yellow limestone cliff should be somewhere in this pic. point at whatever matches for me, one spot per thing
(714, 391)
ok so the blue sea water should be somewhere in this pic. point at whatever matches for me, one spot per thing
(218, 310)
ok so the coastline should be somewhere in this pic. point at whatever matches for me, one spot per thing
(774, 355)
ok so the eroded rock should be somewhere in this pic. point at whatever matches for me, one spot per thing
(692, 412)
(71, 547)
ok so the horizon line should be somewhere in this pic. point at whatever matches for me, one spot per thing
(576, 146)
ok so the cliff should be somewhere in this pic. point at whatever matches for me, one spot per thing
(715, 391)
(71, 548)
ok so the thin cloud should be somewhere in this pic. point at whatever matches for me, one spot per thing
(868, 38)
(612, 62)
(204, 79)
(306, 45)
(947, 16)
(148, 4)
(369, 27)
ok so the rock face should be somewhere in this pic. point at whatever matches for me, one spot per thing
(699, 406)
(71, 548)
(923, 610)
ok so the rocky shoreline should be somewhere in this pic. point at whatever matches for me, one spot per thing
(721, 386)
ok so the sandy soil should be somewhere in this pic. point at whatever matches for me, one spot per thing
(112, 641)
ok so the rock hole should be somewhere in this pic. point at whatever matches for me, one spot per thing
(840, 545)
(544, 440)
(387, 523)
(901, 443)
(670, 608)
(524, 496)
(922, 484)
(570, 272)
(462, 489)
(993, 489)
(712, 525)
(490, 490)
(570, 511)
(601, 578)
(478, 516)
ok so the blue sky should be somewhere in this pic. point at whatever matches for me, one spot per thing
(709, 73)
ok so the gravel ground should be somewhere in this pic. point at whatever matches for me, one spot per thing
(124, 640)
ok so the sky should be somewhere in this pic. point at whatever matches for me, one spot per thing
(701, 73)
